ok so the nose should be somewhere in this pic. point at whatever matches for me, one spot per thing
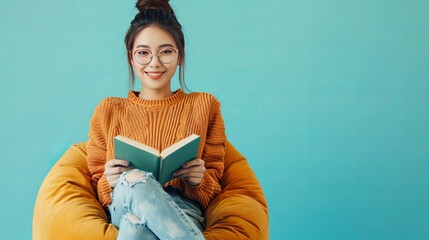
(154, 62)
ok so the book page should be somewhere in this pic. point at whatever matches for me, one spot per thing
(178, 145)
(138, 145)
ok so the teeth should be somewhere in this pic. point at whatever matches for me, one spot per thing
(154, 74)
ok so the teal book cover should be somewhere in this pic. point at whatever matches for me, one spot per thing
(161, 164)
(145, 159)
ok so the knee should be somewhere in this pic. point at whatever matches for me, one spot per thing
(134, 227)
(134, 219)
(135, 176)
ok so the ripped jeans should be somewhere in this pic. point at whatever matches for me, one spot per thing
(142, 209)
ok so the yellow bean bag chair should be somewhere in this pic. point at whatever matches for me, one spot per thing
(67, 208)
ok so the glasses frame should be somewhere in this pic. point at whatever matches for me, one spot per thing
(133, 52)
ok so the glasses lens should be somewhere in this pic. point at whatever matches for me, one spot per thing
(167, 55)
(142, 56)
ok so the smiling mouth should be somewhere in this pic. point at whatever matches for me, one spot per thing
(154, 75)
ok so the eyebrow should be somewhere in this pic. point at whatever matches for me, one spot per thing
(160, 46)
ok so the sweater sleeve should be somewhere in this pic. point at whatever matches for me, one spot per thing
(96, 153)
(213, 156)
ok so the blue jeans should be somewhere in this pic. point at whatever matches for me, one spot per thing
(142, 209)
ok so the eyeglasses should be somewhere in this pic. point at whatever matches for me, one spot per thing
(165, 55)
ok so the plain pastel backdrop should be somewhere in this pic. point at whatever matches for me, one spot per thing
(328, 100)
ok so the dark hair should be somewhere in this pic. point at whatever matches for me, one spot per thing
(156, 13)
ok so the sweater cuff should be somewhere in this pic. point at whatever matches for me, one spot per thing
(104, 191)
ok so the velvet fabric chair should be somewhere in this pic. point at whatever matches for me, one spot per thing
(67, 208)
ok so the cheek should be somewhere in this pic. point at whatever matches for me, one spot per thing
(138, 68)
(138, 72)
(173, 66)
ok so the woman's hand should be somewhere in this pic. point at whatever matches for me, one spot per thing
(192, 171)
(113, 170)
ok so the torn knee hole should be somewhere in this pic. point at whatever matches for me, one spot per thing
(134, 219)
(135, 176)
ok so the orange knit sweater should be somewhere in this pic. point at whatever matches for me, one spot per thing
(160, 123)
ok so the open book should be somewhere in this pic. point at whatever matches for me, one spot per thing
(161, 164)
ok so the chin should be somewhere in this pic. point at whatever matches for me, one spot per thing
(156, 86)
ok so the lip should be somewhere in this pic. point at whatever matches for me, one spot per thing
(154, 75)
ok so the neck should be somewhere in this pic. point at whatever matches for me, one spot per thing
(154, 94)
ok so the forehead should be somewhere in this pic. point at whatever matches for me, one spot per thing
(153, 37)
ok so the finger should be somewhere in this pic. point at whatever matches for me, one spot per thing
(195, 162)
(111, 179)
(195, 174)
(191, 175)
(116, 162)
(194, 168)
(113, 176)
(116, 170)
(199, 168)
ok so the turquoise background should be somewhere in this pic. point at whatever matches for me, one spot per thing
(327, 99)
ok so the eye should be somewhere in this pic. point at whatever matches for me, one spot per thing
(166, 51)
(143, 52)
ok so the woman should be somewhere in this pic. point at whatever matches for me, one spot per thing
(158, 117)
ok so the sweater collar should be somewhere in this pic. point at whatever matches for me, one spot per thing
(176, 97)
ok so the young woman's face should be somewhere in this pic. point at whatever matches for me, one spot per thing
(155, 73)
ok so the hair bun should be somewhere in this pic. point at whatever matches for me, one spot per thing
(163, 5)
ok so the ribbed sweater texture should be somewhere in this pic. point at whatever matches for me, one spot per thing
(159, 124)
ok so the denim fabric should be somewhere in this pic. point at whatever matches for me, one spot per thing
(163, 214)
